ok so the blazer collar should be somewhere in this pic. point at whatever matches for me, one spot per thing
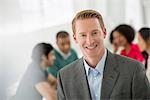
(110, 76)
(80, 80)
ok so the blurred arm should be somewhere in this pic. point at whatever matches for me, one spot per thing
(46, 90)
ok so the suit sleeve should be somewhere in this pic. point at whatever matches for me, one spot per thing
(60, 92)
(140, 84)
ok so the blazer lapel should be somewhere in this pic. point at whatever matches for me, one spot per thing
(109, 77)
(81, 81)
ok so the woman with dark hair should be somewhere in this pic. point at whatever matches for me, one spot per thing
(34, 84)
(144, 45)
(123, 36)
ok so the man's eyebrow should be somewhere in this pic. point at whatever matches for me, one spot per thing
(95, 30)
(81, 33)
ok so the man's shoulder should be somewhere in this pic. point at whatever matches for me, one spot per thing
(127, 60)
(70, 68)
(56, 52)
(126, 63)
(73, 50)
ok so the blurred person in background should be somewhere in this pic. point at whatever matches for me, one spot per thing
(123, 36)
(34, 84)
(115, 45)
(64, 53)
(144, 45)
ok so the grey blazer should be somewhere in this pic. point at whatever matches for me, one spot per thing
(123, 79)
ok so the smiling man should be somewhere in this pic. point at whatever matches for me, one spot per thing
(99, 74)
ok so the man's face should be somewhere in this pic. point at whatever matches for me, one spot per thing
(49, 60)
(64, 44)
(90, 37)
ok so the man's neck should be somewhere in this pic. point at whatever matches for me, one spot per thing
(64, 55)
(93, 61)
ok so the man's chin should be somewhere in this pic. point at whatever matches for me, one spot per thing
(91, 54)
(66, 52)
(50, 65)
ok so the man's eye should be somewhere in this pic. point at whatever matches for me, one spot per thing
(82, 35)
(94, 33)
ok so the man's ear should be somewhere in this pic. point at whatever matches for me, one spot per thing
(105, 32)
(43, 57)
(75, 38)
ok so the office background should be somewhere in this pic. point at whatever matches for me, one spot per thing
(24, 23)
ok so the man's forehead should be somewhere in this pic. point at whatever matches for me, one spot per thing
(90, 29)
(63, 38)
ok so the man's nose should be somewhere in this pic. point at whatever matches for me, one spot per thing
(89, 40)
(66, 46)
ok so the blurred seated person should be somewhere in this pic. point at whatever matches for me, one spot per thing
(64, 53)
(34, 84)
(123, 36)
(144, 45)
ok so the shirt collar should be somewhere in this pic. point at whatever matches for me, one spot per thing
(99, 66)
(65, 56)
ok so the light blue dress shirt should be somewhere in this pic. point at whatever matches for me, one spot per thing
(95, 76)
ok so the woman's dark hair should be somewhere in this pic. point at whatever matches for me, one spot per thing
(145, 34)
(41, 49)
(111, 37)
(145, 55)
(126, 30)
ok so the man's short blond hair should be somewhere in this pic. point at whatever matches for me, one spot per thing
(85, 14)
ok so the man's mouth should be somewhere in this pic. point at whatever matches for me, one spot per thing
(91, 47)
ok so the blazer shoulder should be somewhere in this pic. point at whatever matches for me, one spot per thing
(128, 63)
(70, 68)
(125, 59)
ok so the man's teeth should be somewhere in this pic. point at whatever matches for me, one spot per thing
(91, 47)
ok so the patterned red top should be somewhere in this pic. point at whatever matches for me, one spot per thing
(134, 53)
